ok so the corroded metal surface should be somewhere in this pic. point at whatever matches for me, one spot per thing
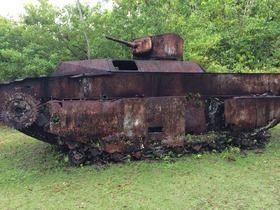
(105, 66)
(150, 84)
(121, 84)
(20, 110)
(166, 46)
(166, 119)
(247, 113)
(159, 47)
(110, 108)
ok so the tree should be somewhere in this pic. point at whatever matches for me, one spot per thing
(221, 35)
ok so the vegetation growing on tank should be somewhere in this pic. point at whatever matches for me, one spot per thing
(55, 119)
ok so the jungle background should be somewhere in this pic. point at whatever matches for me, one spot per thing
(221, 35)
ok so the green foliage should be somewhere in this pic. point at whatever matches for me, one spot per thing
(222, 36)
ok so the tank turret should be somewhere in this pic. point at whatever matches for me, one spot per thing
(159, 47)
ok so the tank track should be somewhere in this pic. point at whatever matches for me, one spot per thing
(212, 141)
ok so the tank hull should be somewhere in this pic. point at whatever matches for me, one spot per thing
(124, 112)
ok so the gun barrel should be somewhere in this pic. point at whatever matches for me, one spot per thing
(129, 44)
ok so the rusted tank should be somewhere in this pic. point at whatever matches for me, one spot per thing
(148, 105)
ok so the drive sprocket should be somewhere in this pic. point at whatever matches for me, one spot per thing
(20, 110)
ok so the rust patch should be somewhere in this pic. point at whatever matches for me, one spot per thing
(159, 47)
(247, 113)
(125, 121)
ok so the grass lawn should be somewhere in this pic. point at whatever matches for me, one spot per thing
(34, 175)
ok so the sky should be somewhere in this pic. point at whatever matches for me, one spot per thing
(12, 8)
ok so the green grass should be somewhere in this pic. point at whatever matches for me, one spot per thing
(34, 175)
